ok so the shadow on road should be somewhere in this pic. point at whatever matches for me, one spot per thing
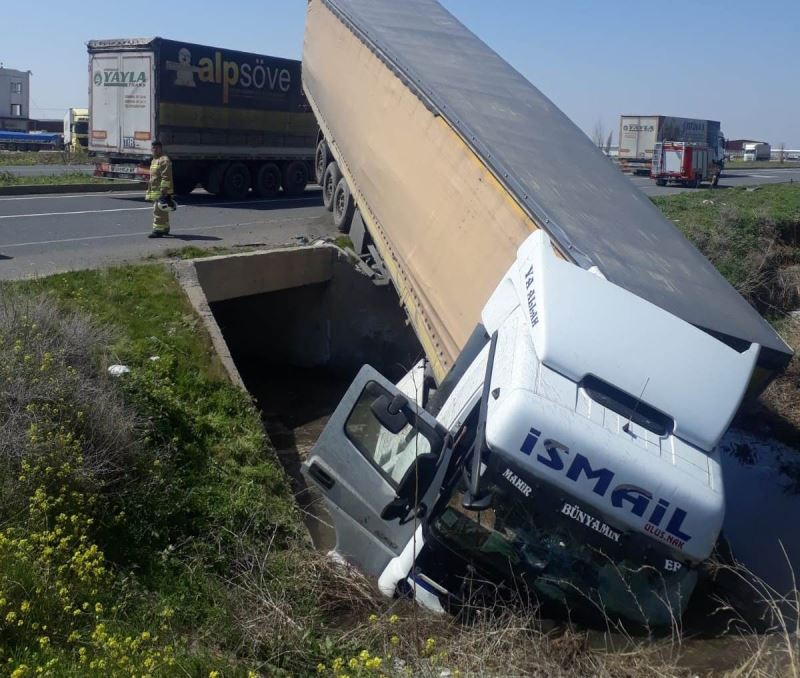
(5, 256)
(190, 237)
(310, 198)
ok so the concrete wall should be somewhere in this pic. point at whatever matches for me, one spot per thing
(318, 311)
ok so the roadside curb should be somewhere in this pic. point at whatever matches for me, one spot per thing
(44, 189)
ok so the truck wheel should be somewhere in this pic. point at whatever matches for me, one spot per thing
(295, 177)
(661, 182)
(268, 180)
(237, 181)
(321, 161)
(343, 206)
(330, 180)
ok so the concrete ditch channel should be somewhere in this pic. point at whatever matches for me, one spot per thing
(293, 326)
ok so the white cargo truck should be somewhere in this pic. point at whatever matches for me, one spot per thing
(559, 440)
(756, 151)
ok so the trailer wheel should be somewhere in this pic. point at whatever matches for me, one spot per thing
(295, 177)
(268, 180)
(330, 180)
(343, 206)
(321, 161)
(237, 181)
(661, 182)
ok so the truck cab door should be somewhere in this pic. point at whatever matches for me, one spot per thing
(361, 467)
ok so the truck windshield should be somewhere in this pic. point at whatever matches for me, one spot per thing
(81, 128)
(564, 554)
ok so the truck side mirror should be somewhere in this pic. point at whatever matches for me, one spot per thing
(412, 487)
(391, 412)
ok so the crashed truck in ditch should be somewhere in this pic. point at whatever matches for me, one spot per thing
(582, 359)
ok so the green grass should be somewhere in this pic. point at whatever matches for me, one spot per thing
(11, 179)
(204, 482)
(750, 235)
(43, 158)
(778, 202)
(761, 164)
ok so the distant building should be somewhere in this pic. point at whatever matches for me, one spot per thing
(15, 97)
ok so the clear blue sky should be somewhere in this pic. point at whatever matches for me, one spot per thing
(731, 60)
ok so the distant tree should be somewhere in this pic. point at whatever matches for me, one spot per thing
(607, 149)
(599, 134)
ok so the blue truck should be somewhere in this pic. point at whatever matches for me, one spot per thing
(30, 141)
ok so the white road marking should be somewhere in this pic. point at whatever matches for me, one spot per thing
(139, 234)
(61, 214)
(761, 176)
(56, 196)
(134, 209)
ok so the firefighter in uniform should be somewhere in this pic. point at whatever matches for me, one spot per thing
(159, 190)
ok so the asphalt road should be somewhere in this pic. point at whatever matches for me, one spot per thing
(729, 178)
(46, 234)
(45, 170)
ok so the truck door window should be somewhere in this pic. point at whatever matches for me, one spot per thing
(390, 453)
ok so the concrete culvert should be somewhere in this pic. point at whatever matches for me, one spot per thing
(298, 325)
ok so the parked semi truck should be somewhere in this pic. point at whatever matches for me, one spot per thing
(638, 135)
(229, 120)
(582, 358)
(76, 129)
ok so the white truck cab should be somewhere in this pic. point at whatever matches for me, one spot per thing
(570, 453)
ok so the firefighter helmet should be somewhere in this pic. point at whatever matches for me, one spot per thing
(166, 204)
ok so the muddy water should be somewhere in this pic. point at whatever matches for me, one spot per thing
(762, 515)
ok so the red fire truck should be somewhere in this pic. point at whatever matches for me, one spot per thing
(685, 163)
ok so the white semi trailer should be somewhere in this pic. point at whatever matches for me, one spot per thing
(582, 358)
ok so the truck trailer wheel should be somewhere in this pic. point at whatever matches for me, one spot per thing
(661, 182)
(330, 179)
(268, 180)
(343, 206)
(237, 181)
(321, 161)
(295, 177)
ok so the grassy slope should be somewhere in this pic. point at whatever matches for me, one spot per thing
(752, 236)
(736, 229)
(216, 486)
